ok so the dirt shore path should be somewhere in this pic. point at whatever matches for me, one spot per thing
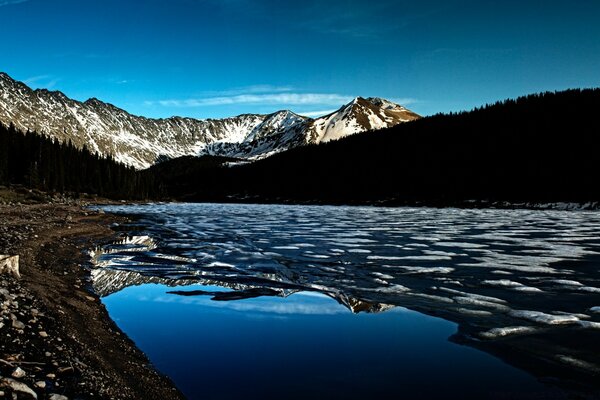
(56, 337)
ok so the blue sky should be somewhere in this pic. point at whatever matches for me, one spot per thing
(216, 58)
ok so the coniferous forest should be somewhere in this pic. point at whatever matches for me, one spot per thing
(39, 162)
(539, 148)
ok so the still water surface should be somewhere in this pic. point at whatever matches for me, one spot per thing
(262, 301)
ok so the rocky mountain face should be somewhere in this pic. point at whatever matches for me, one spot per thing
(140, 141)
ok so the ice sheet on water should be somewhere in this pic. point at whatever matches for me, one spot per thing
(513, 268)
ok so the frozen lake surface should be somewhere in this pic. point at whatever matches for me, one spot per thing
(265, 301)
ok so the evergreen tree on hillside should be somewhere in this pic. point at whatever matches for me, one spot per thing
(40, 162)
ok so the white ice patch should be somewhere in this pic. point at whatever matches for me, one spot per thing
(481, 303)
(508, 331)
(575, 362)
(477, 313)
(219, 264)
(392, 289)
(473, 295)
(433, 297)
(544, 318)
(382, 276)
(566, 282)
(462, 245)
(502, 282)
(589, 289)
(589, 324)
(511, 285)
(427, 270)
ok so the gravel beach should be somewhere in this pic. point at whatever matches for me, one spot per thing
(56, 339)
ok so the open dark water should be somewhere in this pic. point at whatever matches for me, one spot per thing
(264, 302)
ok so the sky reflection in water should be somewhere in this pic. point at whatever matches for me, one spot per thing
(305, 346)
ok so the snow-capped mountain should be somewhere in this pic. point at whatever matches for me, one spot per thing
(140, 142)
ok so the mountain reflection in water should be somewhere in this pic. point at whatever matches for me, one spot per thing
(523, 285)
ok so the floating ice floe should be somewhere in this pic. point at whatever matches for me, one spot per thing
(566, 282)
(589, 289)
(577, 363)
(589, 324)
(382, 276)
(392, 289)
(508, 331)
(511, 285)
(427, 270)
(432, 297)
(470, 311)
(472, 295)
(544, 318)
(481, 303)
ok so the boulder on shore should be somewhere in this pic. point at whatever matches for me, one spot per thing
(9, 265)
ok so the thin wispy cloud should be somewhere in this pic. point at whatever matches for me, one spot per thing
(9, 2)
(313, 114)
(34, 79)
(404, 101)
(286, 98)
(41, 81)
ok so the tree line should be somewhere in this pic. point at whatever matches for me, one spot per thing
(40, 162)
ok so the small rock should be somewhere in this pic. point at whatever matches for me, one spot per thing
(10, 265)
(66, 370)
(18, 324)
(18, 373)
(40, 384)
(51, 376)
(43, 334)
(18, 387)
(55, 396)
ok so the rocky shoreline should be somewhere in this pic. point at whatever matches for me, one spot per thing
(56, 339)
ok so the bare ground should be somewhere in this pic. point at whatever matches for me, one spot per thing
(52, 326)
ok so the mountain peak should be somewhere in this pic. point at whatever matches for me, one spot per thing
(360, 115)
(93, 100)
(139, 141)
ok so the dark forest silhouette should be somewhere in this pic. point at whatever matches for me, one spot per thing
(39, 162)
(538, 148)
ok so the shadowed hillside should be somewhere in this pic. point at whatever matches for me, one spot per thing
(538, 148)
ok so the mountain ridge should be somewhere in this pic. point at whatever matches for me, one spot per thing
(141, 141)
